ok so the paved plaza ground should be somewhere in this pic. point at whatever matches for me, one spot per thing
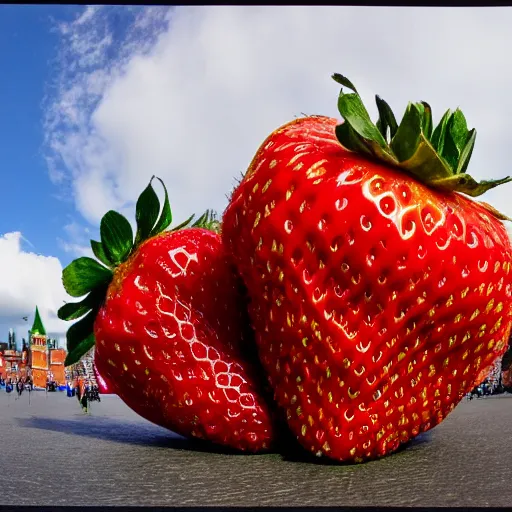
(53, 454)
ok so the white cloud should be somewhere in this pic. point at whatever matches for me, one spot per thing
(189, 93)
(28, 280)
(75, 249)
(77, 241)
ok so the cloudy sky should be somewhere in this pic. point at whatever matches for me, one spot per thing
(95, 100)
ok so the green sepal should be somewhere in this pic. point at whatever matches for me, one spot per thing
(80, 330)
(407, 138)
(166, 216)
(99, 252)
(455, 138)
(116, 236)
(437, 157)
(184, 224)
(146, 213)
(439, 133)
(427, 125)
(74, 310)
(343, 80)
(412, 149)
(82, 348)
(83, 275)
(468, 185)
(350, 140)
(208, 221)
(386, 119)
(466, 153)
(355, 114)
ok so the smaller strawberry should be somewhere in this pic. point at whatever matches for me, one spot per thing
(167, 316)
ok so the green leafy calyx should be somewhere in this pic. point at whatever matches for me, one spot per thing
(437, 157)
(86, 276)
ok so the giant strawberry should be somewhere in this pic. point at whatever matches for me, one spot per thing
(167, 316)
(379, 290)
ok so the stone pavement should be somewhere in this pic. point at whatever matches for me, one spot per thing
(53, 454)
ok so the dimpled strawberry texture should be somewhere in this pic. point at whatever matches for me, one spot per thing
(376, 300)
(170, 341)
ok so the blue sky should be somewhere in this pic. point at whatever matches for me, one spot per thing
(95, 100)
(31, 46)
(29, 203)
(38, 214)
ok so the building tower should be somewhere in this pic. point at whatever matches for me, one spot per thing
(12, 339)
(38, 351)
(46, 361)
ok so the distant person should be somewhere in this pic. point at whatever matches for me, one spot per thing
(82, 394)
(68, 389)
(84, 402)
(77, 389)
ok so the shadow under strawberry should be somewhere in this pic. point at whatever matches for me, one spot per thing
(123, 432)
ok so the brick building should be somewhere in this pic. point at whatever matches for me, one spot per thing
(40, 359)
(13, 363)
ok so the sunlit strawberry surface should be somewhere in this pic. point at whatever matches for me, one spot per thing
(376, 301)
(103, 387)
(171, 341)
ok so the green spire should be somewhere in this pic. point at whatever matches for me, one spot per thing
(38, 327)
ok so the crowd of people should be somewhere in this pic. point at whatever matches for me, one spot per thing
(85, 391)
(487, 388)
(18, 383)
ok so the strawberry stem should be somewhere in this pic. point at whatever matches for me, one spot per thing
(86, 276)
(437, 157)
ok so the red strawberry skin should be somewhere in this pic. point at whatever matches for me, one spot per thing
(103, 385)
(170, 341)
(376, 300)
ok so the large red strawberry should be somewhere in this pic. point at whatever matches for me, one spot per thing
(167, 315)
(379, 290)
